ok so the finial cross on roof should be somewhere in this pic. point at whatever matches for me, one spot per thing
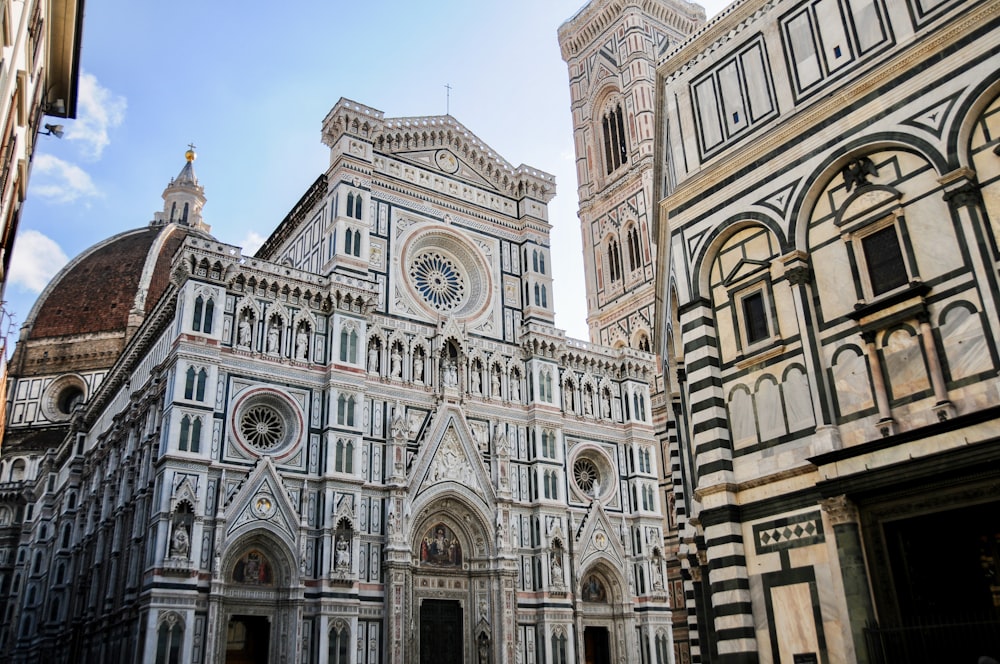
(191, 145)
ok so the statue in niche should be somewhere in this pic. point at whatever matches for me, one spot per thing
(244, 335)
(343, 554)
(451, 374)
(302, 344)
(515, 387)
(418, 367)
(272, 337)
(396, 362)
(373, 358)
(556, 571)
(181, 542)
(477, 380)
(495, 383)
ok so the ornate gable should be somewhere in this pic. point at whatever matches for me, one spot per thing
(451, 456)
(261, 501)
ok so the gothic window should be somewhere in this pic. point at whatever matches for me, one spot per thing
(344, 460)
(559, 652)
(354, 206)
(662, 648)
(352, 242)
(634, 249)
(586, 475)
(345, 410)
(204, 310)
(639, 406)
(643, 343)
(541, 297)
(169, 638)
(194, 384)
(340, 641)
(614, 260)
(190, 438)
(551, 486)
(548, 444)
(615, 144)
(348, 345)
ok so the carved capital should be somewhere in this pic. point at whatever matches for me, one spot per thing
(840, 510)
(799, 275)
(967, 195)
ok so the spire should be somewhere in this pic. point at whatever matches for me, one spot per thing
(183, 198)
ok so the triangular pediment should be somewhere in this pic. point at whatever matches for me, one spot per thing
(441, 143)
(599, 537)
(450, 455)
(261, 500)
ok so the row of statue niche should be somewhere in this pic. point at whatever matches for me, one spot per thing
(449, 372)
(244, 337)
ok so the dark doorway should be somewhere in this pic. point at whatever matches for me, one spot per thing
(248, 639)
(946, 601)
(440, 632)
(595, 645)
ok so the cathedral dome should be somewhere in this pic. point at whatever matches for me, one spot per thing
(88, 312)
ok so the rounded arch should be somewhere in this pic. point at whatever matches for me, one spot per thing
(967, 115)
(703, 259)
(818, 181)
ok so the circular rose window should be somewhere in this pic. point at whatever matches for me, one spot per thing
(587, 476)
(262, 427)
(266, 422)
(593, 474)
(439, 280)
(444, 274)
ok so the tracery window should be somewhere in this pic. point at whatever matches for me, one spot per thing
(194, 384)
(348, 345)
(169, 638)
(614, 260)
(615, 143)
(190, 434)
(634, 249)
(204, 311)
(340, 641)
(344, 458)
(345, 410)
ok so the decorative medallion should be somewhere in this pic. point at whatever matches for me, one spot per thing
(266, 421)
(587, 476)
(600, 541)
(444, 274)
(263, 506)
(262, 427)
(446, 161)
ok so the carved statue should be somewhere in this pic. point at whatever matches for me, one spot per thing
(244, 336)
(181, 542)
(302, 344)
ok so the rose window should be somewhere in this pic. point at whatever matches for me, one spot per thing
(266, 422)
(587, 476)
(262, 427)
(439, 280)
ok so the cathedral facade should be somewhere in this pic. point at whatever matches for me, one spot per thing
(828, 191)
(366, 443)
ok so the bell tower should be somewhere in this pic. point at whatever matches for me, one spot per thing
(612, 49)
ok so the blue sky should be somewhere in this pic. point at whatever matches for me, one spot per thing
(249, 86)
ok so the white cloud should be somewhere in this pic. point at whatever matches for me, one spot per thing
(60, 181)
(98, 110)
(36, 259)
(251, 242)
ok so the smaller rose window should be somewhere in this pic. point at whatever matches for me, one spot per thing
(438, 280)
(587, 476)
(262, 427)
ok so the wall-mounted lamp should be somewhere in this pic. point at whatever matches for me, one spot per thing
(53, 130)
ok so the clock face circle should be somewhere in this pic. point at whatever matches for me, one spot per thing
(446, 161)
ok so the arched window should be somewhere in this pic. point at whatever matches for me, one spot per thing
(348, 345)
(614, 260)
(615, 144)
(350, 204)
(357, 243)
(169, 637)
(545, 297)
(357, 206)
(204, 311)
(344, 462)
(199, 392)
(634, 249)
(340, 639)
(541, 262)
(538, 296)
(190, 438)
(559, 653)
(189, 383)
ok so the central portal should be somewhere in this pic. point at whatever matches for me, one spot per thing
(248, 639)
(595, 642)
(440, 632)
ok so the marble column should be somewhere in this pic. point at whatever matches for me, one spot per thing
(843, 514)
